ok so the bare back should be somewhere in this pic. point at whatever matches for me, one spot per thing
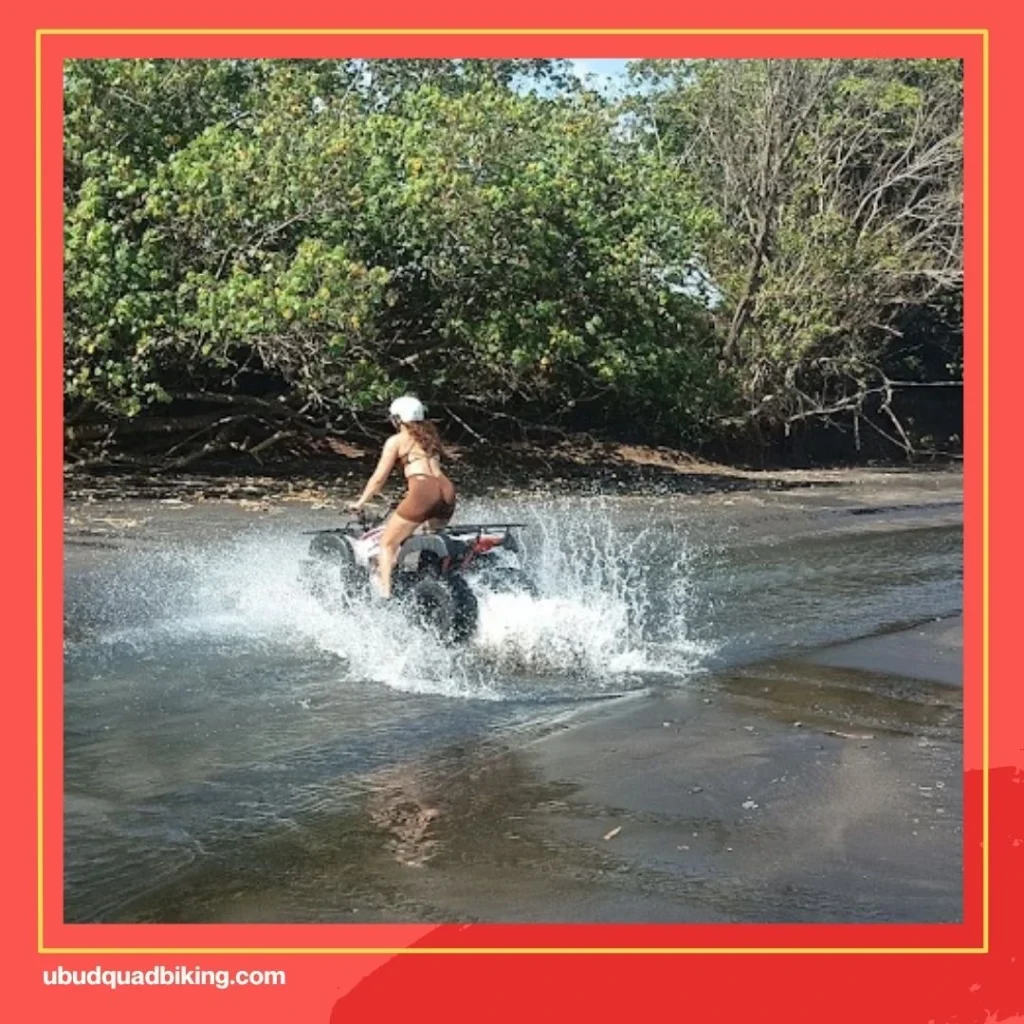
(416, 461)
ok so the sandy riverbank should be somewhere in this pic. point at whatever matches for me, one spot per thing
(823, 786)
(793, 791)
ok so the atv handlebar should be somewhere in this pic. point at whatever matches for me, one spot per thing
(375, 516)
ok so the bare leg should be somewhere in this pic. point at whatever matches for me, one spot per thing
(396, 531)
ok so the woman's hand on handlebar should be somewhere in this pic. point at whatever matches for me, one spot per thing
(380, 510)
(360, 513)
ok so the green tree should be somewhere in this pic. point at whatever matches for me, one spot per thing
(752, 242)
(505, 253)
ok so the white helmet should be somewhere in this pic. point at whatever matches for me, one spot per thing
(407, 409)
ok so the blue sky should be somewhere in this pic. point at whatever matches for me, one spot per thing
(607, 74)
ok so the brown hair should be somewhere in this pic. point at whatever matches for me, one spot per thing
(425, 434)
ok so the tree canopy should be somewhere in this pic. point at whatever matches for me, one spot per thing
(731, 245)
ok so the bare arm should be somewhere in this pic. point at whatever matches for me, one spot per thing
(388, 457)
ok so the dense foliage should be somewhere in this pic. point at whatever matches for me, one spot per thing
(733, 245)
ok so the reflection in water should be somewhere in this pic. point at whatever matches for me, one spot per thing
(454, 808)
(400, 807)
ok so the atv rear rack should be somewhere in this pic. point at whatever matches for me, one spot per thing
(481, 527)
(460, 530)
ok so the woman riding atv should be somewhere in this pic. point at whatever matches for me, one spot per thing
(430, 499)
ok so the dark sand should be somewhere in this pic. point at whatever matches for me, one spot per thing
(808, 790)
(820, 788)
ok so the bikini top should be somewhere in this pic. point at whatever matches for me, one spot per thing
(416, 454)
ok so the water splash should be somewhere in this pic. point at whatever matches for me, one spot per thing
(613, 600)
(612, 606)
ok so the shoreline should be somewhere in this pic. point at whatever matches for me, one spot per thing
(572, 467)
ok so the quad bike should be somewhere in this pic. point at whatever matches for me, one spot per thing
(432, 573)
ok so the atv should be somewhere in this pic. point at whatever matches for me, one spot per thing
(432, 573)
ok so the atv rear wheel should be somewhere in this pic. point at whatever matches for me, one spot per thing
(446, 606)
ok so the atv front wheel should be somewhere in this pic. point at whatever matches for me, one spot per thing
(330, 549)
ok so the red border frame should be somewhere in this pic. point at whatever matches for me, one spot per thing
(56, 48)
(914, 972)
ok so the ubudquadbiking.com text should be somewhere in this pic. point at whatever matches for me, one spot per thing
(160, 975)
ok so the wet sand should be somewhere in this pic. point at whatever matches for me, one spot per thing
(821, 787)
(808, 790)
(783, 792)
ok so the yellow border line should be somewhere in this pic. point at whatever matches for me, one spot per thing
(521, 950)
